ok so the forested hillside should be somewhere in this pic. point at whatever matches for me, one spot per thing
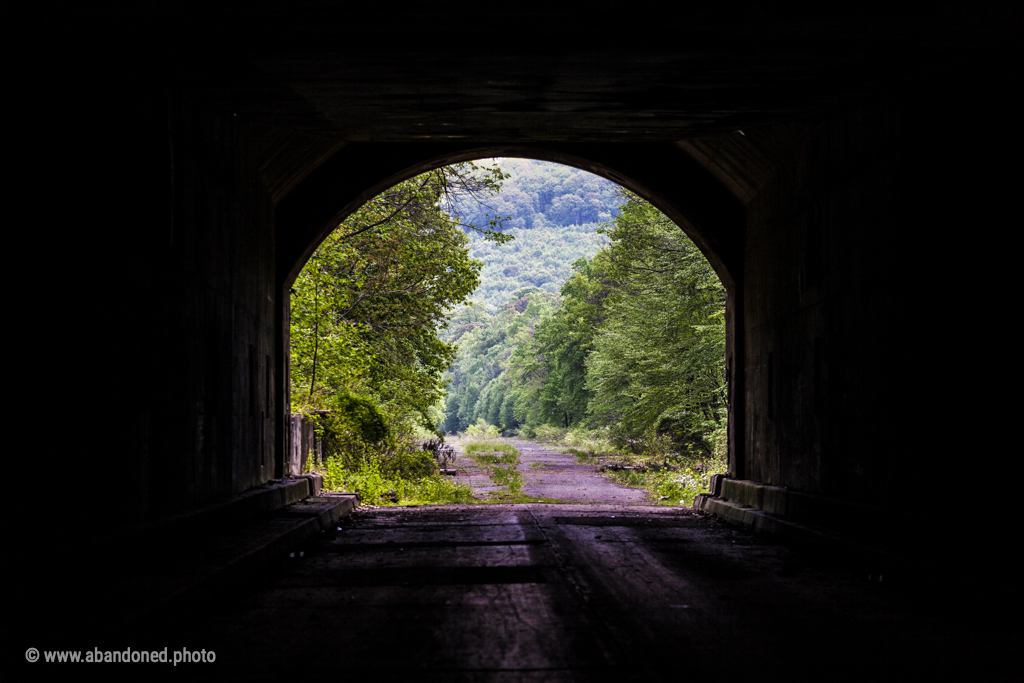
(553, 211)
(537, 194)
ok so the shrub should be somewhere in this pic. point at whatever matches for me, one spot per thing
(676, 487)
(407, 464)
(362, 417)
(549, 432)
(353, 429)
(482, 428)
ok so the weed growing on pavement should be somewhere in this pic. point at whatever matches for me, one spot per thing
(487, 459)
(509, 477)
(582, 456)
(501, 460)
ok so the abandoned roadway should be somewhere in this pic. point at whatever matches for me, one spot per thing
(583, 592)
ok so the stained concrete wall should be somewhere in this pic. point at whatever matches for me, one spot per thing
(869, 280)
(221, 405)
(163, 307)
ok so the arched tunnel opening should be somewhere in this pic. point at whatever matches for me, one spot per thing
(389, 309)
(823, 162)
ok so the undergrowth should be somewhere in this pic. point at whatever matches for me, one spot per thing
(375, 487)
(676, 486)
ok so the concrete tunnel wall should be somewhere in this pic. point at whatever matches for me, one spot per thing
(839, 234)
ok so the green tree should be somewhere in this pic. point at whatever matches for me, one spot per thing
(551, 367)
(638, 343)
(368, 306)
(658, 359)
(480, 388)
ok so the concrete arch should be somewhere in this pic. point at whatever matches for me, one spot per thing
(667, 175)
(664, 174)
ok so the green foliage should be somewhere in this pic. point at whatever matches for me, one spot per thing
(491, 447)
(376, 486)
(689, 431)
(613, 348)
(488, 459)
(354, 424)
(507, 476)
(553, 211)
(482, 429)
(550, 433)
(366, 316)
(719, 439)
(677, 486)
(660, 354)
(549, 372)
(536, 194)
(637, 346)
(540, 258)
(581, 455)
(368, 307)
(479, 391)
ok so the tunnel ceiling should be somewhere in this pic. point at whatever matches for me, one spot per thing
(537, 74)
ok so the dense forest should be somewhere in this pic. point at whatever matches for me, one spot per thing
(634, 344)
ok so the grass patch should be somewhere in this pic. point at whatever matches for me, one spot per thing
(537, 465)
(507, 476)
(501, 460)
(584, 456)
(489, 447)
(506, 497)
(489, 459)
(377, 488)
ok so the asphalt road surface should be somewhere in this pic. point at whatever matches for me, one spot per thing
(549, 474)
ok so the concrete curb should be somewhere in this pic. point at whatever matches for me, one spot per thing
(230, 548)
(872, 533)
(260, 500)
